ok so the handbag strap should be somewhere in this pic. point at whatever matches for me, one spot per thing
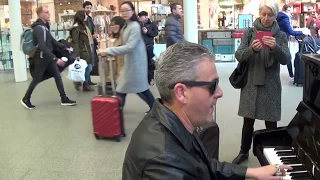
(250, 33)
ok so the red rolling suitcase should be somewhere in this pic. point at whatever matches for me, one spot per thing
(107, 114)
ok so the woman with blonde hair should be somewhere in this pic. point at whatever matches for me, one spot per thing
(260, 98)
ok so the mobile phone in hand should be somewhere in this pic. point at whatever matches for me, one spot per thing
(260, 34)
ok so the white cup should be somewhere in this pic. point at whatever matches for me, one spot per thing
(64, 59)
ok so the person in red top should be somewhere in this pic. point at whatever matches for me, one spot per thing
(313, 24)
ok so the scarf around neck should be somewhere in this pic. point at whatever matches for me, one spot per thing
(262, 59)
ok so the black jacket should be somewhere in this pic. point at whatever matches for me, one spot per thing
(151, 33)
(173, 30)
(162, 148)
(45, 48)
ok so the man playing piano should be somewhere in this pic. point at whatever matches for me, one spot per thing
(165, 144)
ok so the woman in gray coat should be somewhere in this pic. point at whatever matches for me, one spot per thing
(261, 97)
(134, 77)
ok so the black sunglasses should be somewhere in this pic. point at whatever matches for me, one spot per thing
(212, 84)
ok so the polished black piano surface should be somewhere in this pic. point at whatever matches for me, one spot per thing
(297, 144)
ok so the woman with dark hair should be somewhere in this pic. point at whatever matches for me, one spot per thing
(116, 25)
(133, 77)
(83, 44)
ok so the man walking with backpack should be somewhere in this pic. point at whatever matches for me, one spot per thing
(44, 59)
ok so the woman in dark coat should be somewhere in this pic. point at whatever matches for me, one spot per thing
(82, 42)
(261, 97)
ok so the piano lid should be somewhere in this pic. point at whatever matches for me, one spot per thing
(311, 87)
(311, 57)
(305, 131)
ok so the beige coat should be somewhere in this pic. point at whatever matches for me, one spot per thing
(117, 63)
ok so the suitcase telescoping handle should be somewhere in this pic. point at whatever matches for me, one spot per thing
(102, 74)
(110, 59)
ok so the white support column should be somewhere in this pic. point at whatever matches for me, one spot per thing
(204, 15)
(190, 20)
(19, 59)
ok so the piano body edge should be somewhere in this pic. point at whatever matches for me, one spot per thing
(265, 137)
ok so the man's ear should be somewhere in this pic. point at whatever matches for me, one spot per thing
(179, 92)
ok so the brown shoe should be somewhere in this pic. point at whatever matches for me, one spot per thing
(77, 85)
(87, 87)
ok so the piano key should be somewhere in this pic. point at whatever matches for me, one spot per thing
(300, 175)
(296, 172)
(297, 176)
(271, 156)
(292, 156)
(283, 148)
(285, 153)
(294, 161)
(297, 168)
(294, 165)
(289, 158)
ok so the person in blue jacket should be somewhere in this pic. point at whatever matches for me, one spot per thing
(284, 23)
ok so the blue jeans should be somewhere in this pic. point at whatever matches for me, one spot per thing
(87, 73)
(145, 95)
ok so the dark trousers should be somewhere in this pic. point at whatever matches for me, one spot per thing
(289, 66)
(247, 132)
(41, 66)
(150, 53)
(151, 65)
(145, 95)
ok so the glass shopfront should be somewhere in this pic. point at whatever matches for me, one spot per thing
(62, 13)
(222, 31)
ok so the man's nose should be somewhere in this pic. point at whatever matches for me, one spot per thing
(218, 93)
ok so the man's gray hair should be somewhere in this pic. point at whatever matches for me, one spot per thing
(179, 63)
(272, 4)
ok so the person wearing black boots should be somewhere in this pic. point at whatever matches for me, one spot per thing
(260, 98)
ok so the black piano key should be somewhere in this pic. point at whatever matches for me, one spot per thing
(297, 168)
(283, 148)
(299, 174)
(294, 161)
(285, 153)
(288, 158)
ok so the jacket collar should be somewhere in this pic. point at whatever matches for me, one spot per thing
(176, 16)
(169, 120)
(288, 14)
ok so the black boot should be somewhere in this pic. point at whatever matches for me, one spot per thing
(246, 140)
(242, 156)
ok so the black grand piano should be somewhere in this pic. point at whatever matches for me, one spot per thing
(297, 144)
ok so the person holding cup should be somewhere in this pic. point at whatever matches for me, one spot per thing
(44, 60)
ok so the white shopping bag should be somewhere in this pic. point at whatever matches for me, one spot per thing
(77, 71)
